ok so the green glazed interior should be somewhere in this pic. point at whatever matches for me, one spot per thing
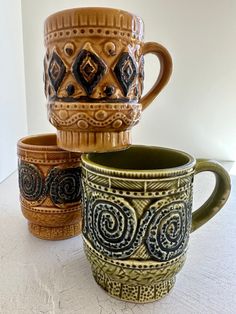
(138, 158)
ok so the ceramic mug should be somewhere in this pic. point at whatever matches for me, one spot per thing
(50, 187)
(138, 217)
(94, 71)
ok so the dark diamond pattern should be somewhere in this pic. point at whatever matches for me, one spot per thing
(56, 71)
(88, 70)
(125, 71)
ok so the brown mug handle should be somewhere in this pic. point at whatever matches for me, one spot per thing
(164, 74)
(217, 198)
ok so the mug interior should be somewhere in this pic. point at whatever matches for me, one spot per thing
(41, 140)
(140, 158)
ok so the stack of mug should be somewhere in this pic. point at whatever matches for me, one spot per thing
(135, 201)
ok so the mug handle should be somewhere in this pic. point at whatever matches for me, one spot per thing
(164, 74)
(217, 198)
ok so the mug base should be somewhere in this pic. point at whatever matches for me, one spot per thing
(137, 281)
(54, 233)
(135, 293)
(93, 141)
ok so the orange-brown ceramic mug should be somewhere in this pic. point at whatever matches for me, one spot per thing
(94, 71)
(50, 188)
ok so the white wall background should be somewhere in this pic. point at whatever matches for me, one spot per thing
(13, 123)
(197, 110)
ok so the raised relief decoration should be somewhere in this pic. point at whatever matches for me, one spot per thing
(125, 71)
(88, 69)
(64, 185)
(117, 232)
(168, 231)
(30, 182)
(113, 227)
(56, 71)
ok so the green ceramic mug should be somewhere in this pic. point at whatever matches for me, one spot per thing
(138, 217)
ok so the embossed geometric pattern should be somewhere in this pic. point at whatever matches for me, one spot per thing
(88, 70)
(64, 185)
(121, 278)
(125, 71)
(169, 231)
(112, 226)
(56, 71)
(117, 232)
(30, 182)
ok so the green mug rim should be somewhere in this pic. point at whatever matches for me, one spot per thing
(190, 164)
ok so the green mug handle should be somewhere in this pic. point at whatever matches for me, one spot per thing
(217, 198)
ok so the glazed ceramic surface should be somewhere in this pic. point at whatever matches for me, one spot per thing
(138, 217)
(94, 71)
(50, 187)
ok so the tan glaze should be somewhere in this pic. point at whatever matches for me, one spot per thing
(94, 72)
(138, 217)
(50, 187)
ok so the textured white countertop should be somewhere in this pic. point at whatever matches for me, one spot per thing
(39, 276)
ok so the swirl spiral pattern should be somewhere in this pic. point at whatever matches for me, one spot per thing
(116, 231)
(64, 185)
(168, 231)
(30, 182)
(113, 226)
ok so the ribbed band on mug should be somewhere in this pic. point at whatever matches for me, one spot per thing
(92, 21)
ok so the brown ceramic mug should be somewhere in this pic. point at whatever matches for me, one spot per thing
(94, 71)
(50, 188)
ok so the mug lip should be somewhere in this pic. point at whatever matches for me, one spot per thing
(147, 172)
(34, 147)
(91, 8)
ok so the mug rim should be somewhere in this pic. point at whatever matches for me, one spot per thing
(22, 143)
(91, 8)
(189, 165)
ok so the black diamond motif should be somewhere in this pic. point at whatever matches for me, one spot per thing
(56, 71)
(88, 70)
(125, 71)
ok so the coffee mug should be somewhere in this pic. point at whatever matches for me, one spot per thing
(138, 217)
(50, 187)
(94, 72)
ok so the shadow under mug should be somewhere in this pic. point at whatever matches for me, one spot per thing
(93, 74)
(138, 217)
(50, 187)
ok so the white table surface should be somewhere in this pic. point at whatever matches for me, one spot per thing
(38, 276)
